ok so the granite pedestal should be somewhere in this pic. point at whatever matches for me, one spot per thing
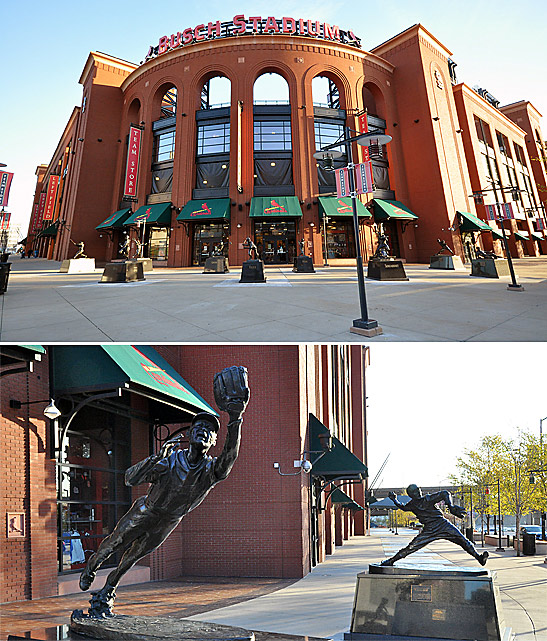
(303, 265)
(147, 264)
(490, 267)
(386, 269)
(427, 602)
(126, 272)
(446, 262)
(77, 266)
(216, 265)
(252, 271)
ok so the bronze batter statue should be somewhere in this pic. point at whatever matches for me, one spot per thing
(81, 246)
(435, 526)
(444, 247)
(383, 249)
(180, 480)
(251, 247)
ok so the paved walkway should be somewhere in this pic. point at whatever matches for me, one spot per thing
(42, 305)
(318, 605)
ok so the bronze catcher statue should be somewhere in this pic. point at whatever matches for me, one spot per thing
(435, 526)
(180, 480)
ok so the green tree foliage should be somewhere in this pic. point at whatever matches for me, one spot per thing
(510, 461)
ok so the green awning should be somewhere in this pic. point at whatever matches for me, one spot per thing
(339, 497)
(384, 209)
(521, 235)
(117, 219)
(159, 214)
(339, 463)
(496, 234)
(22, 241)
(16, 359)
(470, 222)
(535, 235)
(38, 349)
(206, 209)
(280, 207)
(49, 231)
(333, 207)
(135, 368)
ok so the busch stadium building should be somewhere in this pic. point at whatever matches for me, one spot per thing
(210, 140)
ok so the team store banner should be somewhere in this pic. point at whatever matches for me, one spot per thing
(5, 184)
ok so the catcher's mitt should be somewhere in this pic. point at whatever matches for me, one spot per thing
(231, 385)
(457, 511)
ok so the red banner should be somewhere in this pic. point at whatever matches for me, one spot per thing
(5, 184)
(363, 178)
(132, 167)
(4, 218)
(363, 123)
(40, 212)
(342, 182)
(51, 197)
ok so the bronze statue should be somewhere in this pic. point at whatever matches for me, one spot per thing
(383, 249)
(485, 254)
(435, 526)
(302, 245)
(80, 253)
(180, 480)
(124, 246)
(249, 245)
(444, 247)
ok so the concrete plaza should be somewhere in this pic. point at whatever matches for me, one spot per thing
(319, 605)
(42, 305)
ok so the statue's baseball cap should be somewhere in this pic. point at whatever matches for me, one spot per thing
(210, 418)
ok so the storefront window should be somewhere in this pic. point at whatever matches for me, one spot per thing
(91, 491)
(164, 146)
(276, 241)
(340, 239)
(158, 243)
(207, 239)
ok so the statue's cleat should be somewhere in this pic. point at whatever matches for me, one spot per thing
(86, 579)
(483, 557)
(387, 562)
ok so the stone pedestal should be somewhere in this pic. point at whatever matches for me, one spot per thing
(147, 264)
(446, 262)
(427, 602)
(252, 271)
(216, 265)
(140, 628)
(303, 265)
(386, 269)
(77, 266)
(127, 272)
(490, 267)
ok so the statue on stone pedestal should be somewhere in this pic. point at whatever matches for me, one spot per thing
(383, 249)
(251, 247)
(435, 526)
(302, 245)
(444, 247)
(180, 480)
(81, 246)
(124, 246)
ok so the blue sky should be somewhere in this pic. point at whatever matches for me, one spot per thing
(499, 45)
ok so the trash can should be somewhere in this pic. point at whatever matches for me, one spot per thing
(469, 534)
(528, 544)
(4, 257)
(4, 276)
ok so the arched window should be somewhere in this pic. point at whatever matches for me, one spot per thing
(164, 130)
(169, 103)
(272, 137)
(216, 93)
(325, 92)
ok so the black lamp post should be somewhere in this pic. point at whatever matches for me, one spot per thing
(363, 325)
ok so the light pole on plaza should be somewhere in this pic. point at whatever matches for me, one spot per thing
(363, 325)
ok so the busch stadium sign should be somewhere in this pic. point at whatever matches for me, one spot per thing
(253, 25)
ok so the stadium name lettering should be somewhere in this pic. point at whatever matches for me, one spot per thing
(253, 25)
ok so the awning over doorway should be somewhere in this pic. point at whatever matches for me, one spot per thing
(339, 463)
(117, 219)
(19, 358)
(470, 222)
(159, 214)
(388, 503)
(210, 209)
(49, 231)
(496, 235)
(521, 235)
(135, 368)
(280, 207)
(339, 497)
(333, 207)
(22, 241)
(385, 209)
(535, 235)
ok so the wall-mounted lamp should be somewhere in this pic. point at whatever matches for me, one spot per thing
(308, 206)
(312, 224)
(304, 465)
(99, 139)
(240, 207)
(247, 204)
(435, 118)
(142, 123)
(417, 120)
(80, 139)
(459, 131)
(395, 124)
(50, 411)
(239, 225)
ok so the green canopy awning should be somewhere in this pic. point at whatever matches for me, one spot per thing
(339, 463)
(496, 234)
(117, 219)
(535, 235)
(15, 359)
(206, 209)
(339, 497)
(332, 207)
(280, 207)
(384, 209)
(159, 214)
(470, 222)
(520, 235)
(135, 368)
(49, 231)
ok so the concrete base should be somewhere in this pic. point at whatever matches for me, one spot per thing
(453, 263)
(78, 266)
(303, 265)
(216, 265)
(126, 272)
(386, 269)
(68, 583)
(490, 267)
(252, 271)
(369, 333)
(147, 264)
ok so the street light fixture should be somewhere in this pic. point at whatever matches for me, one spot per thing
(363, 325)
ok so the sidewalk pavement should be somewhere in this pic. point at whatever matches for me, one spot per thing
(318, 605)
(184, 305)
